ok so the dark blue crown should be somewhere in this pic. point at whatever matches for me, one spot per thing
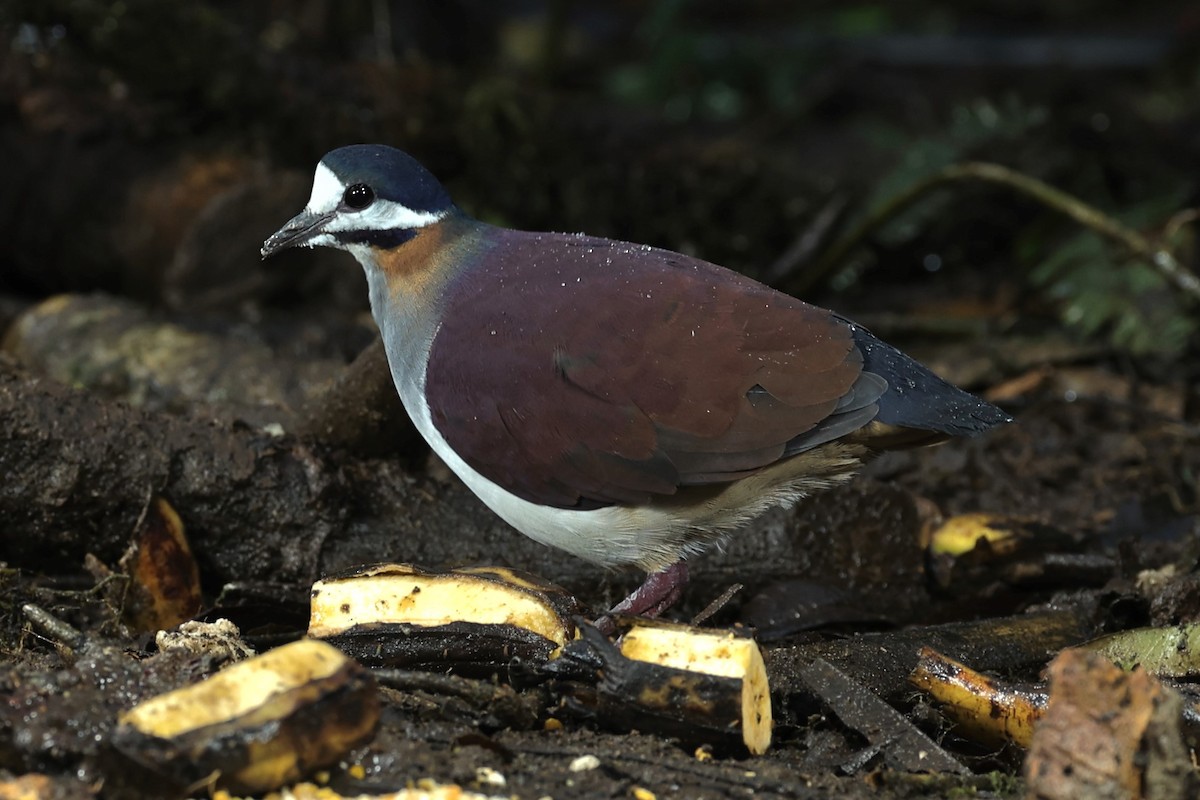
(393, 174)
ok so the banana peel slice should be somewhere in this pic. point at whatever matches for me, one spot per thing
(701, 685)
(255, 725)
(471, 621)
(984, 709)
(961, 534)
(1168, 652)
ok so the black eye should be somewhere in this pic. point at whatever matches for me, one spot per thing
(359, 196)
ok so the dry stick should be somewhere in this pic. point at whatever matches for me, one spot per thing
(1179, 219)
(1159, 257)
(61, 632)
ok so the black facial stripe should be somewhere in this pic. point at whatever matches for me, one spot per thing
(385, 239)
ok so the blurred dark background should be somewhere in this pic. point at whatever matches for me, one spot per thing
(149, 146)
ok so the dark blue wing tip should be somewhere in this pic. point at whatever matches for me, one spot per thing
(984, 418)
(918, 398)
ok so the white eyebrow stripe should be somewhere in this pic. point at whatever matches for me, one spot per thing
(383, 215)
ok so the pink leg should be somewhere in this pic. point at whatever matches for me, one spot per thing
(658, 592)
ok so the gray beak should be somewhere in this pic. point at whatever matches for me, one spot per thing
(298, 232)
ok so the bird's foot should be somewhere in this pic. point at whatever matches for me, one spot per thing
(658, 592)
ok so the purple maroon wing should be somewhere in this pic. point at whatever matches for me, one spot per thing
(579, 372)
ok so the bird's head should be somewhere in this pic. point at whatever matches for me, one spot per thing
(364, 196)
